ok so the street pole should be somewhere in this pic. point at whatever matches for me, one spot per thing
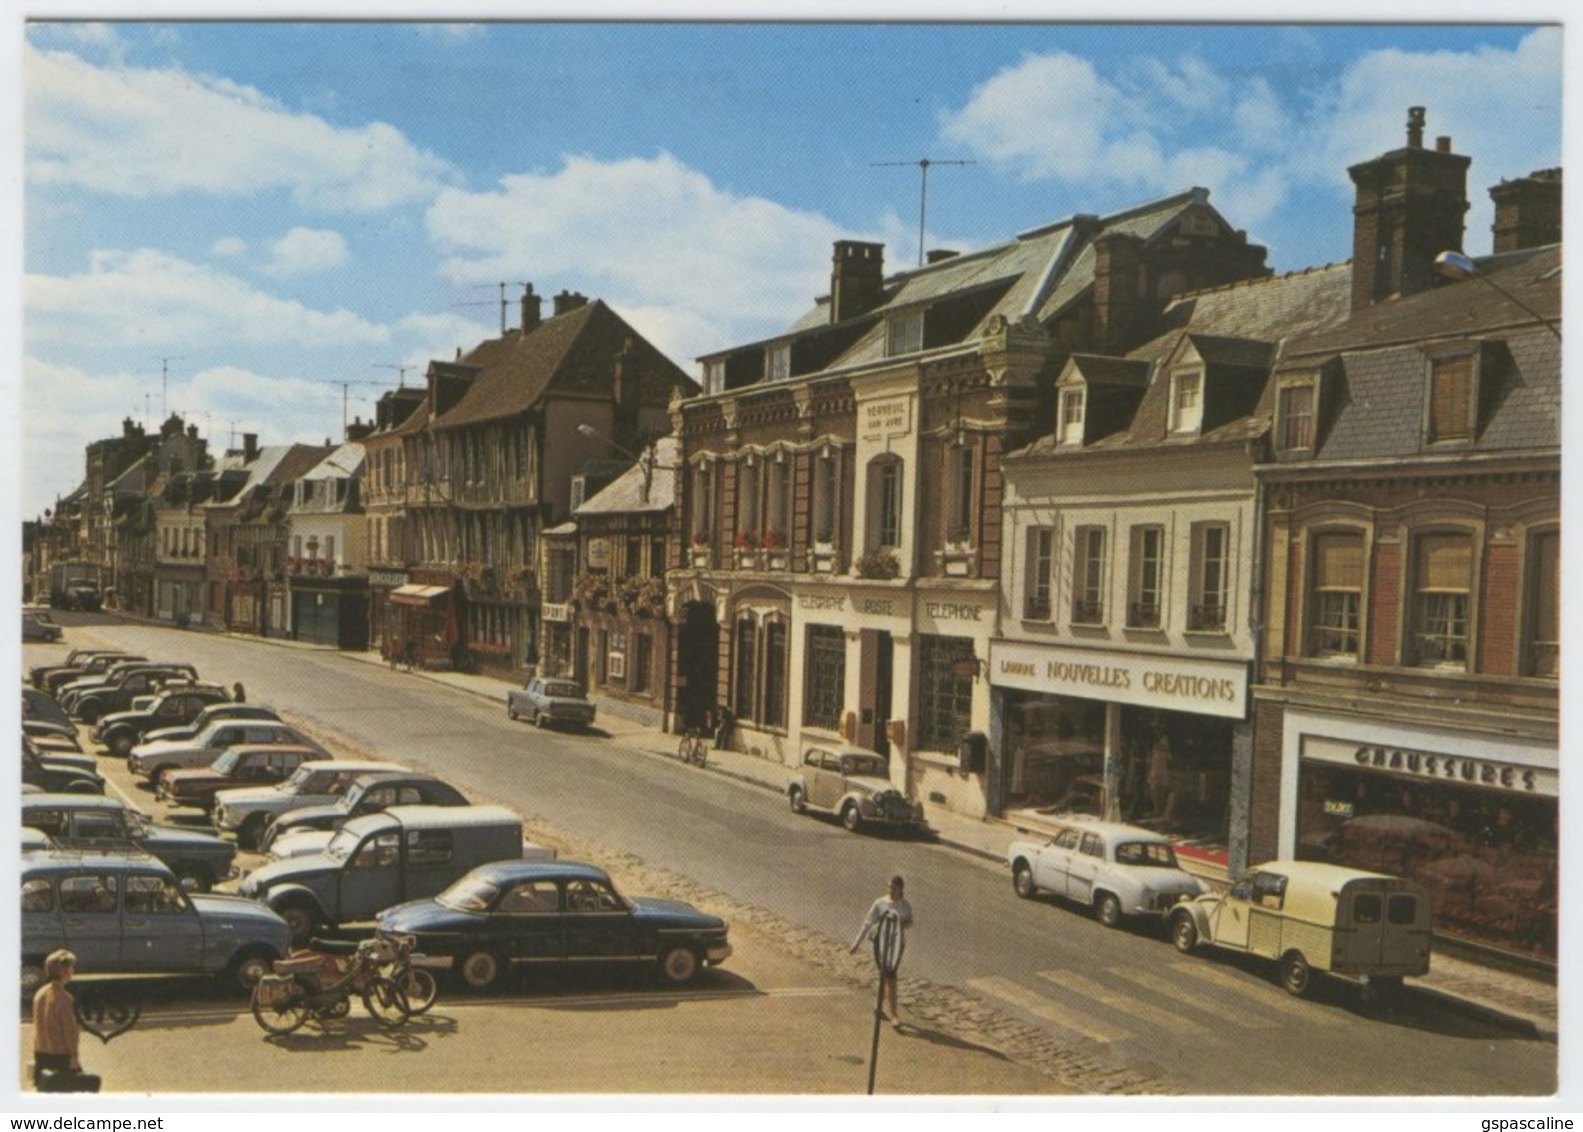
(889, 943)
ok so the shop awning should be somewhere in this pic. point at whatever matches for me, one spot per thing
(417, 595)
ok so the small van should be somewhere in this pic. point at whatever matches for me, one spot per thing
(1309, 916)
(379, 860)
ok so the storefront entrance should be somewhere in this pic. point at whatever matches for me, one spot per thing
(698, 665)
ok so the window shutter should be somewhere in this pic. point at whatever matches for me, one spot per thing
(1451, 387)
(1445, 562)
(1338, 561)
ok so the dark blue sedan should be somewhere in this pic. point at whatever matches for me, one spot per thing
(553, 912)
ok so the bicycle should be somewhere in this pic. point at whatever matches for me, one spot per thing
(694, 747)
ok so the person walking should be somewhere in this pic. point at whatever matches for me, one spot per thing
(56, 1068)
(238, 693)
(894, 905)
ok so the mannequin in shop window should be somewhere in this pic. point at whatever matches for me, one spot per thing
(1159, 780)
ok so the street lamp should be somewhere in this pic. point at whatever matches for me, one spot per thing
(1457, 267)
(644, 462)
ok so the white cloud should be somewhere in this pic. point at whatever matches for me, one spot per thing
(142, 133)
(304, 251)
(229, 247)
(153, 300)
(647, 234)
(438, 336)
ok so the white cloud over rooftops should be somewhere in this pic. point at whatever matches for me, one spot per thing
(140, 133)
(306, 251)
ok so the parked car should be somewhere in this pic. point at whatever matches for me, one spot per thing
(154, 758)
(120, 731)
(211, 714)
(57, 777)
(239, 766)
(1117, 870)
(548, 702)
(39, 627)
(538, 912)
(379, 860)
(52, 678)
(88, 821)
(115, 669)
(309, 828)
(53, 738)
(126, 913)
(1310, 916)
(90, 704)
(76, 658)
(247, 811)
(37, 705)
(855, 785)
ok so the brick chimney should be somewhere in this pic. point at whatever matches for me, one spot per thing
(1118, 259)
(249, 447)
(857, 279)
(568, 301)
(1527, 211)
(1410, 207)
(532, 308)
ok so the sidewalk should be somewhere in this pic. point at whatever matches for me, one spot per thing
(1526, 1003)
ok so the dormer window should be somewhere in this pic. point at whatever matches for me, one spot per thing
(1187, 401)
(1295, 417)
(1073, 402)
(777, 361)
(904, 333)
(714, 376)
(1452, 381)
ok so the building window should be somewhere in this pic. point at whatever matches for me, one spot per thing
(657, 556)
(884, 500)
(1451, 398)
(714, 376)
(1296, 411)
(1041, 563)
(777, 361)
(824, 497)
(945, 691)
(904, 333)
(1442, 581)
(824, 683)
(632, 567)
(959, 494)
(774, 713)
(742, 684)
(1337, 594)
(1072, 405)
(703, 501)
(1187, 401)
(1088, 576)
(777, 504)
(748, 498)
(1211, 568)
(1544, 605)
(642, 653)
(1148, 565)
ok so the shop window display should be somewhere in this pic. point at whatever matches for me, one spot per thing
(1488, 858)
(1057, 754)
(1176, 774)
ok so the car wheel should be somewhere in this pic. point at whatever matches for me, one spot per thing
(851, 818)
(193, 878)
(250, 834)
(679, 964)
(538, 719)
(89, 712)
(481, 970)
(1022, 881)
(511, 711)
(1296, 974)
(1107, 910)
(249, 967)
(301, 918)
(1184, 933)
(32, 977)
(799, 803)
(121, 743)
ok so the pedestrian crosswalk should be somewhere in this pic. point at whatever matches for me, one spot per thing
(1189, 998)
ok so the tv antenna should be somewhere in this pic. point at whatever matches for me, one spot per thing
(485, 303)
(401, 373)
(345, 393)
(923, 164)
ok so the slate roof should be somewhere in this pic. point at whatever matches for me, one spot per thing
(1099, 369)
(624, 495)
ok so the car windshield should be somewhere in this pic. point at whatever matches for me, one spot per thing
(342, 845)
(865, 765)
(293, 785)
(470, 894)
(226, 763)
(559, 688)
(353, 796)
(1150, 854)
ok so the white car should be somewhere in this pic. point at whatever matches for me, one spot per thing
(152, 759)
(247, 810)
(1118, 870)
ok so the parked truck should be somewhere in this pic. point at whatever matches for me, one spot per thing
(75, 585)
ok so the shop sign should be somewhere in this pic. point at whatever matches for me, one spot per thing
(821, 601)
(1461, 770)
(387, 578)
(558, 611)
(953, 611)
(599, 554)
(878, 606)
(890, 417)
(1169, 683)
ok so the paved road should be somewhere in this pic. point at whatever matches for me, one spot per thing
(1105, 1010)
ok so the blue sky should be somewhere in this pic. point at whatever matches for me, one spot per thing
(269, 210)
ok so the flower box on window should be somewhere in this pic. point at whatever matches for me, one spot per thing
(877, 564)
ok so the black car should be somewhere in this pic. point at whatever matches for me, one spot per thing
(52, 679)
(122, 730)
(57, 778)
(369, 794)
(553, 912)
(90, 703)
